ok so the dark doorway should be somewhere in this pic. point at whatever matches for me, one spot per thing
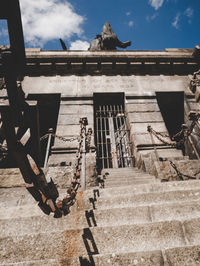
(171, 105)
(111, 132)
(48, 105)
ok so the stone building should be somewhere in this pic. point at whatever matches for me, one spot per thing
(141, 201)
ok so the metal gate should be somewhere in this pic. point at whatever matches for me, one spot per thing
(112, 137)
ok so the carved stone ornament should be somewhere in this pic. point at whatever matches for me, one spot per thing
(196, 52)
(195, 81)
(107, 40)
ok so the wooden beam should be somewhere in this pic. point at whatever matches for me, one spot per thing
(10, 10)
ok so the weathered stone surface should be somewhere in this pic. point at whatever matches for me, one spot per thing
(192, 230)
(142, 107)
(138, 258)
(61, 175)
(185, 167)
(76, 109)
(65, 130)
(71, 243)
(145, 117)
(184, 256)
(145, 139)
(10, 180)
(141, 127)
(86, 85)
(73, 119)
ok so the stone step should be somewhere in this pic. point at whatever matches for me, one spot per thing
(125, 169)
(130, 200)
(67, 244)
(145, 188)
(16, 225)
(121, 171)
(35, 262)
(105, 203)
(119, 183)
(181, 256)
(184, 256)
(135, 176)
(14, 197)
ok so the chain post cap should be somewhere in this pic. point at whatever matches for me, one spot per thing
(90, 130)
(84, 121)
(149, 128)
(192, 115)
(50, 130)
(184, 126)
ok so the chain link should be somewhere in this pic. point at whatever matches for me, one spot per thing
(58, 137)
(70, 198)
(179, 173)
(158, 135)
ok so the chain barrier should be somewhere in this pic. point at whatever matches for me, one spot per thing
(160, 136)
(62, 207)
(58, 137)
(195, 81)
(178, 172)
(182, 135)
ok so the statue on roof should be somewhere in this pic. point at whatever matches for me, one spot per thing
(107, 40)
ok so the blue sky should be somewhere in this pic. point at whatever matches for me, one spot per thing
(149, 24)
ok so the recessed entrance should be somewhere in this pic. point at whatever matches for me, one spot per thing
(112, 134)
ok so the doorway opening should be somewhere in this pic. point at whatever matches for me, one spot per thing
(111, 131)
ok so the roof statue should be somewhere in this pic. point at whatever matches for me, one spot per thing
(107, 40)
(64, 47)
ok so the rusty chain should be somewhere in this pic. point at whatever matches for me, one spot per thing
(58, 137)
(159, 136)
(178, 172)
(62, 207)
(183, 134)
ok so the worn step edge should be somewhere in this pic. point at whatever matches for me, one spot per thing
(146, 188)
(98, 201)
(137, 238)
(180, 256)
(49, 262)
(15, 193)
(101, 218)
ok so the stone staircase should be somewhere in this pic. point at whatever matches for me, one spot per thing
(133, 220)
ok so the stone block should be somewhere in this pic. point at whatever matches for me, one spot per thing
(192, 231)
(121, 259)
(142, 107)
(126, 238)
(175, 211)
(12, 180)
(147, 117)
(144, 140)
(184, 256)
(142, 127)
(82, 110)
(73, 119)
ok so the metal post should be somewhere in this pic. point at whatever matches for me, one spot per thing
(153, 143)
(50, 131)
(83, 166)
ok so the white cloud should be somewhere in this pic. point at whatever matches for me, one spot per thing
(128, 13)
(79, 45)
(175, 23)
(131, 23)
(45, 20)
(189, 12)
(4, 33)
(150, 18)
(156, 4)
